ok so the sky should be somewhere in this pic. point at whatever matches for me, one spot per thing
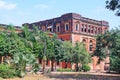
(17, 12)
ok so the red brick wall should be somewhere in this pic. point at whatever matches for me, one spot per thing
(65, 37)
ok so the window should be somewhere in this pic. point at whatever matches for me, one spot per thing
(98, 30)
(95, 30)
(66, 27)
(77, 27)
(85, 29)
(90, 46)
(58, 29)
(82, 27)
(89, 29)
(49, 28)
(84, 42)
(43, 28)
(92, 29)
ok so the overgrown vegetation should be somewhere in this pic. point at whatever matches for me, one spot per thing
(108, 45)
(86, 67)
(7, 71)
(64, 70)
(21, 50)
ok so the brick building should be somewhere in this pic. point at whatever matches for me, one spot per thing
(3, 26)
(75, 28)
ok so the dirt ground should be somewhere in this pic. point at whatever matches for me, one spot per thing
(70, 76)
(32, 77)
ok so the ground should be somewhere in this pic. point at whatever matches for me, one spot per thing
(70, 76)
(32, 77)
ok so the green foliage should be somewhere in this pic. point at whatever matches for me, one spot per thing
(25, 47)
(64, 70)
(113, 5)
(44, 58)
(85, 67)
(80, 55)
(108, 44)
(20, 61)
(115, 64)
(6, 71)
(103, 45)
(68, 51)
(115, 51)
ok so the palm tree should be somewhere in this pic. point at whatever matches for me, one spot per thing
(8, 45)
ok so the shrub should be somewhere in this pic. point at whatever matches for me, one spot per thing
(80, 68)
(6, 71)
(64, 70)
(85, 67)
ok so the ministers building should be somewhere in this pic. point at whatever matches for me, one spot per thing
(75, 28)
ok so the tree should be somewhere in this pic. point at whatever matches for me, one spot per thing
(18, 48)
(68, 52)
(9, 43)
(21, 60)
(54, 50)
(115, 51)
(104, 43)
(80, 55)
(113, 5)
(108, 45)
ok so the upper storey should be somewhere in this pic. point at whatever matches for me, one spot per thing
(71, 23)
(4, 26)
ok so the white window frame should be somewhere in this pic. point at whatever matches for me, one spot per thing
(66, 27)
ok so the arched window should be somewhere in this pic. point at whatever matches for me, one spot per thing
(91, 46)
(98, 30)
(57, 28)
(85, 28)
(95, 30)
(89, 29)
(67, 27)
(84, 42)
(77, 27)
(92, 29)
(82, 27)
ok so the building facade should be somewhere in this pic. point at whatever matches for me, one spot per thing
(4, 26)
(75, 28)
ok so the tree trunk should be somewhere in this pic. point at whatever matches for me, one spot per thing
(44, 65)
(44, 61)
(52, 65)
(76, 67)
(2, 59)
(65, 64)
(107, 59)
(55, 66)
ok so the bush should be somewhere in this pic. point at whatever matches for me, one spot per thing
(85, 67)
(64, 70)
(6, 71)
